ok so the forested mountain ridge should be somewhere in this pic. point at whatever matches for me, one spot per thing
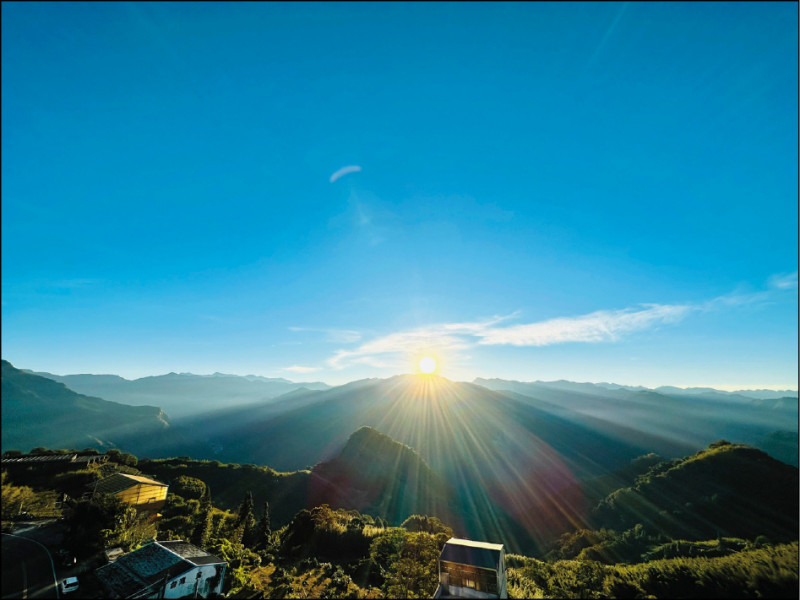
(378, 476)
(726, 489)
(372, 473)
(40, 412)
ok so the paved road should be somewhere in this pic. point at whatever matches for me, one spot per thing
(27, 569)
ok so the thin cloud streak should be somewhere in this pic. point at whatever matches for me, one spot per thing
(345, 171)
(599, 326)
(300, 369)
(784, 281)
(449, 337)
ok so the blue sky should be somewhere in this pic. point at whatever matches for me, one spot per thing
(594, 192)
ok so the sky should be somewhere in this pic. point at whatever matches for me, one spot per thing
(531, 191)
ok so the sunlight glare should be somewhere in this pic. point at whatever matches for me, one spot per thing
(427, 365)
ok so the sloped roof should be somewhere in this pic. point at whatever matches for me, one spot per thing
(468, 552)
(192, 553)
(140, 569)
(119, 482)
(39, 458)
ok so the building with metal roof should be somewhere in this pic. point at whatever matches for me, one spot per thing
(144, 494)
(469, 569)
(167, 569)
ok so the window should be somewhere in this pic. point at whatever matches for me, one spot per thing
(173, 584)
(183, 580)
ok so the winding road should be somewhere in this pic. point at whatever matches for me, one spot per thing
(27, 569)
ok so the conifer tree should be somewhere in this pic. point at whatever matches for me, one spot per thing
(245, 508)
(263, 530)
(245, 521)
(202, 527)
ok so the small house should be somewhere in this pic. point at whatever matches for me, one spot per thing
(145, 495)
(173, 569)
(469, 569)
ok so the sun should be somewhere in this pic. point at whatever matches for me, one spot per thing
(427, 365)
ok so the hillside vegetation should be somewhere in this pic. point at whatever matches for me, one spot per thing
(726, 489)
(279, 546)
(767, 572)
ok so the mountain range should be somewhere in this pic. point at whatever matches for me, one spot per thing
(182, 394)
(519, 462)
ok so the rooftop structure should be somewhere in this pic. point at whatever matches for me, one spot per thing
(78, 460)
(144, 494)
(470, 569)
(163, 570)
(119, 482)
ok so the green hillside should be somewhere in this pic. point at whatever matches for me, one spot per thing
(378, 476)
(766, 572)
(726, 489)
(286, 492)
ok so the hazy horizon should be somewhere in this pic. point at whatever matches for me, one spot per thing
(334, 383)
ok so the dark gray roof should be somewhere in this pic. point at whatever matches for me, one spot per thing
(192, 553)
(152, 565)
(467, 552)
(147, 566)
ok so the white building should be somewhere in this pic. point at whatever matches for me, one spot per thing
(470, 569)
(164, 570)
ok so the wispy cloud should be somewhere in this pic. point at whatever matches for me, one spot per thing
(598, 326)
(300, 369)
(449, 337)
(783, 281)
(345, 171)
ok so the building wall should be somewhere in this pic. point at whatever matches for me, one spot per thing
(451, 574)
(191, 578)
(502, 582)
(144, 496)
(462, 592)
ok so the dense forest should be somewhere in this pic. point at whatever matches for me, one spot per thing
(719, 523)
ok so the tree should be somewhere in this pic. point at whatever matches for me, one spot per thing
(100, 521)
(263, 530)
(202, 526)
(122, 458)
(385, 548)
(431, 525)
(245, 508)
(188, 487)
(415, 575)
(356, 524)
(245, 521)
